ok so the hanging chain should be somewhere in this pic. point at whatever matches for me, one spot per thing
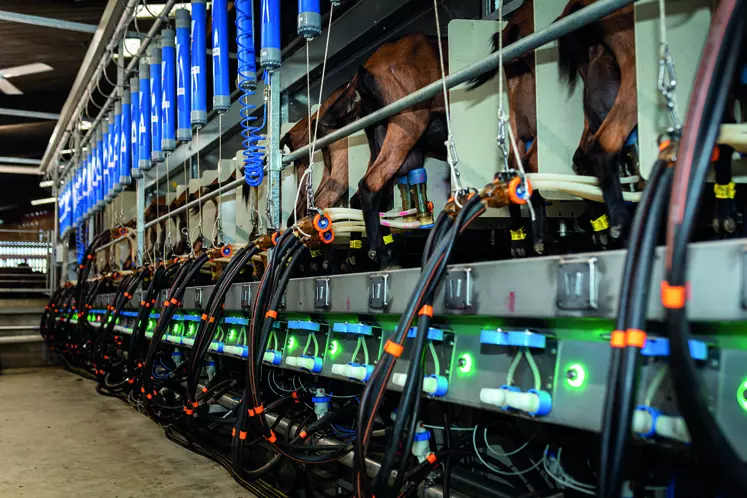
(217, 235)
(667, 82)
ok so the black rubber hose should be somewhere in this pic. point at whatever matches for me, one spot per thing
(718, 64)
(638, 309)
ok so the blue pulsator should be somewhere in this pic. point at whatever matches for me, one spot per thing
(125, 147)
(269, 54)
(134, 122)
(113, 176)
(168, 98)
(143, 130)
(309, 18)
(247, 80)
(199, 77)
(115, 153)
(99, 166)
(84, 175)
(183, 85)
(105, 160)
(221, 90)
(154, 54)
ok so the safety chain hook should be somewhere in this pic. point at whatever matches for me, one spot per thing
(667, 85)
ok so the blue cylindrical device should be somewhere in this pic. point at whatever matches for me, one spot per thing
(125, 140)
(269, 54)
(154, 54)
(99, 168)
(113, 177)
(309, 18)
(105, 160)
(116, 147)
(143, 126)
(247, 77)
(183, 85)
(168, 99)
(86, 165)
(221, 90)
(134, 122)
(84, 173)
(199, 77)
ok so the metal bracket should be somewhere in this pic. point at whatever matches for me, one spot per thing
(245, 296)
(378, 291)
(198, 297)
(744, 278)
(321, 293)
(458, 289)
(578, 285)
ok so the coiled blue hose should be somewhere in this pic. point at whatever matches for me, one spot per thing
(254, 171)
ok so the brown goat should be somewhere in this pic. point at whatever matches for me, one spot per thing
(603, 53)
(522, 102)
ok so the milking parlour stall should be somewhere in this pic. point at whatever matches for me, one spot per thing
(466, 248)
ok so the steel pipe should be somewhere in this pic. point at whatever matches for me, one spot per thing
(28, 114)
(47, 22)
(19, 160)
(6, 328)
(534, 41)
(21, 339)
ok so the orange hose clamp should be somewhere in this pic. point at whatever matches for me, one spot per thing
(716, 154)
(259, 409)
(617, 339)
(673, 297)
(635, 338)
(204, 389)
(174, 301)
(271, 314)
(242, 435)
(302, 434)
(204, 317)
(426, 310)
(431, 458)
(393, 348)
(250, 412)
(233, 432)
(272, 438)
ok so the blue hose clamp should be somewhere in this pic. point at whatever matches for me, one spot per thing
(442, 385)
(545, 403)
(317, 363)
(417, 176)
(422, 436)
(321, 399)
(276, 358)
(654, 415)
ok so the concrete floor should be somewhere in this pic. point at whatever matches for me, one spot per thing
(59, 438)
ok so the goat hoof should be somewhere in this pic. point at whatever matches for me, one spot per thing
(730, 226)
(518, 252)
(539, 247)
(600, 239)
(616, 231)
(325, 265)
(372, 255)
(716, 225)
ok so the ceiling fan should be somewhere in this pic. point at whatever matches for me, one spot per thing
(7, 87)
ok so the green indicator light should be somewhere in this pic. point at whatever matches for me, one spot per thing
(742, 395)
(151, 325)
(334, 348)
(291, 343)
(191, 329)
(178, 328)
(575, 376)
(465, 363)
(232, 334)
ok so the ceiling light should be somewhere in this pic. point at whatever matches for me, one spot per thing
(46, 183)
(84, 125)
(131, 46)
(48, 200)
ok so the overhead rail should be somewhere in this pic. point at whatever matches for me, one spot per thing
(554, 31)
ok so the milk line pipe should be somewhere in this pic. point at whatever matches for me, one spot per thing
(131, 66)
(531, 42)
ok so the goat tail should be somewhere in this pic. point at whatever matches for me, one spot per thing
(573, 48)
(480, 80)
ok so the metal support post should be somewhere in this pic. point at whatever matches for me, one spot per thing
(140, 220)
(275, 158)
(54, 239)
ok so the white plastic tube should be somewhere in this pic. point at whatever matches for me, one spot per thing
(588, 180)
(589, 192)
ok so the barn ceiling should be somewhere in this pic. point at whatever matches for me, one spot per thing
(62, 50)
